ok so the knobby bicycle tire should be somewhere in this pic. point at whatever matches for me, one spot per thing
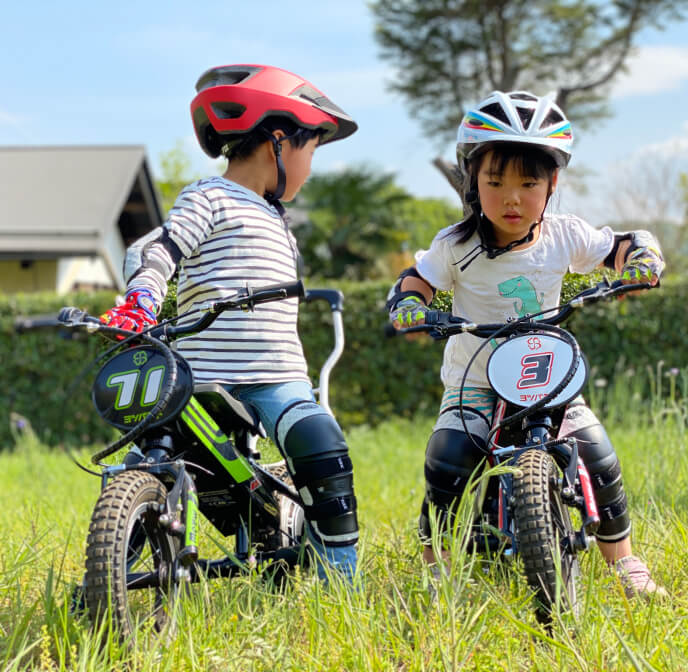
(126, 540)
(544, 533)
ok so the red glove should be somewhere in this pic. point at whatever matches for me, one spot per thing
(136, 314)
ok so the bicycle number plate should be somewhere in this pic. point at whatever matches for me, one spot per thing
(524, 369)
(129, 385)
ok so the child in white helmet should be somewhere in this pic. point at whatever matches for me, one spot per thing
(506, 259)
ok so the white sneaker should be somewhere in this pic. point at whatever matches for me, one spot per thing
(635, 578)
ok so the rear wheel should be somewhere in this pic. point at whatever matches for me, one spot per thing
(126, 544)
(544, 532)
(291, 517)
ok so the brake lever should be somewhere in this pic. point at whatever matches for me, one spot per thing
(76, 317)
(69, 315)
(437, 334)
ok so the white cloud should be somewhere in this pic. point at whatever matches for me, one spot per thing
(674, 149)
(8, 119)
(13, 129)
(645, 180)
(653, 70)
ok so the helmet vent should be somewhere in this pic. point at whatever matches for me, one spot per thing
(495, 110)
(224, 76)
(526, 115)
(552, 118)
(227, 110)
(314, 96)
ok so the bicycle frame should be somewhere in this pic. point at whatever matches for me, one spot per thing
(226, 472)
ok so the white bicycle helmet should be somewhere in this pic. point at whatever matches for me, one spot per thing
(517, 117)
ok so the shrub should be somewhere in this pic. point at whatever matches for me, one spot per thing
(40, 365)
(377, 377)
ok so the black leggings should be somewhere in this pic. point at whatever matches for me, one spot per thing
(451, 457)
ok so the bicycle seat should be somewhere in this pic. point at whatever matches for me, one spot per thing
(229, 413)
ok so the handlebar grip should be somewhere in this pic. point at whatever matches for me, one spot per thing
(617, 284)
(276, 292)
(389, 330)
(295, 289)
(435, 317)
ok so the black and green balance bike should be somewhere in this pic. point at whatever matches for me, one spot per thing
(193, 452)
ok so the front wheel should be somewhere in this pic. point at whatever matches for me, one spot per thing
(130, 559)
(544, 532)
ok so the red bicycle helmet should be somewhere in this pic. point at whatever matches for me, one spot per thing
(234, 99)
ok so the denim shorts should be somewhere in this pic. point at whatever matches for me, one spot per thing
(270, 400)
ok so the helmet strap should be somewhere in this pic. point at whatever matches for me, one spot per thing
(273, 200)
(493, 252)
(281, 173)
(483, 246)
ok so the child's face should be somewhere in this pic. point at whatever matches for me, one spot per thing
(297, 165)
(511, 201)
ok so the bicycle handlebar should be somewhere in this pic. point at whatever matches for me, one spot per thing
(440, 325)
(245, 299)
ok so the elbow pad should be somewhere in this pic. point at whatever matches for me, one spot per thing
(640, 240)
(153, 251)
(150, 262)
(396, 294)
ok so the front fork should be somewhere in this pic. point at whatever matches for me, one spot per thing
(575, 478)
(179, 515)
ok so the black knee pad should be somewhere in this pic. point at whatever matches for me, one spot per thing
(450, 459)
(599, 457)
(320, 466)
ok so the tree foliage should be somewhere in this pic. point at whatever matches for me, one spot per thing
(349, 223)
(449, 52)
(176, 171)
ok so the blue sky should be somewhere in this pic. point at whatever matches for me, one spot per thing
(110, 73)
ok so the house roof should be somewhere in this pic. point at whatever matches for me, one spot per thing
(75, 201)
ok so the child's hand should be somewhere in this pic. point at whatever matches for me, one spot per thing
(643, 265)
(409, 312)
(137, 313)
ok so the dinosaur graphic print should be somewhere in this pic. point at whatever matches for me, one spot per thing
(527, 301)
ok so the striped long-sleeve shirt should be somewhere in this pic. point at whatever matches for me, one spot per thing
(230, 238)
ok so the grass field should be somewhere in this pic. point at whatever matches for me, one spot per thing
(387, 622)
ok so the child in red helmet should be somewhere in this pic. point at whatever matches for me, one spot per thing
(225, 233)
(505, 260)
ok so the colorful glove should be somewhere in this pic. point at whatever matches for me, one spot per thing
(136, 314)
(643, 265)
(407, 312)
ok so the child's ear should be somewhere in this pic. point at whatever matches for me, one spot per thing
(553, 183)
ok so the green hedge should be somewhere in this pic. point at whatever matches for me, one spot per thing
(376, 378)
(638, 332)
(39, 366)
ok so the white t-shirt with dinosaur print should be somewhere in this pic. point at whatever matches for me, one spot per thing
(511, 285)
